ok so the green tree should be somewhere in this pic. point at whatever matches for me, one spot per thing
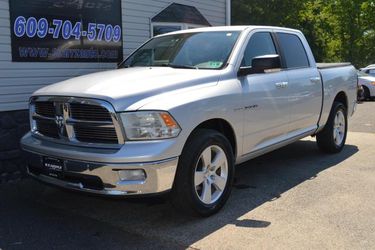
(337, 30)
(355, 29)
(266, 12)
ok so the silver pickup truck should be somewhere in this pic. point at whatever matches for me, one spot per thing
(185, 108)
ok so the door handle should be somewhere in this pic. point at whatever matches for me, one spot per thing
(281, 85)
(315, 80)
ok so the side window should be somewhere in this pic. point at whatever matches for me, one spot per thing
(294, 52)
(371, 72)
(259, 44)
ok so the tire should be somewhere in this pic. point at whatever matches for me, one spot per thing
(196, 174)
(366, 93)
(333, 137)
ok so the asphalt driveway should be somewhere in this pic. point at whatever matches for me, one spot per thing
(295, 197)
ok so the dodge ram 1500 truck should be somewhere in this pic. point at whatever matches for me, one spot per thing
(185, 108)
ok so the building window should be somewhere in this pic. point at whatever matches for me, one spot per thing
(177, 17)
(162, 28)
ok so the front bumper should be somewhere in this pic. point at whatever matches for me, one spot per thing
(103, 179)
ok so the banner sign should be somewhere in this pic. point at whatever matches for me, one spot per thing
(66, 30)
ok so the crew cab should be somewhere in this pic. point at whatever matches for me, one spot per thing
(185, 108)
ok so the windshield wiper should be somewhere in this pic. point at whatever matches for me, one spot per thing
(176, 66)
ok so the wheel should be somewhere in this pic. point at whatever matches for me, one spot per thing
(204, 174)
(366, 93)
(332, 138)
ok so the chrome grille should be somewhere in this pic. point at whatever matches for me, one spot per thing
(95, 134)
(75, 120)
(89, 112)
(45, 109)
(47, 128)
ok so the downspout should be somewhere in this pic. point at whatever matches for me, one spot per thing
(228, 12)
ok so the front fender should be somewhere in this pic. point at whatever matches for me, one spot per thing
(191, 108)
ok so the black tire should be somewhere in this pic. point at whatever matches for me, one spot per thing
(366, 93)
(184, 196)
(325, 138)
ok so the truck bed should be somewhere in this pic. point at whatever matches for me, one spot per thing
(337, 77)
(332, 65)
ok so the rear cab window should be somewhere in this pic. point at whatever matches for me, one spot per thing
(294, 52)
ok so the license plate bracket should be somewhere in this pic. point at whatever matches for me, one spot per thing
(53, 166)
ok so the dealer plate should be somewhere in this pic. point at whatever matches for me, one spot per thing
(53, 164)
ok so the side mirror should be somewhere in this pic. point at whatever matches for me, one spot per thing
(260, 64)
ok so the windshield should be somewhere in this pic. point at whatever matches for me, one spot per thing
(200, 50)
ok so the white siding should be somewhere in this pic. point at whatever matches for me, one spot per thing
(18, 80)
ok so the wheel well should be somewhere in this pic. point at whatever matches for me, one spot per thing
(223, 127)
(365, 87)
(341, 97)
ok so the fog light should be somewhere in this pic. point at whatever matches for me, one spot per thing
(132, 175)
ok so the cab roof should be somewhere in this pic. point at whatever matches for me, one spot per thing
(228, 28)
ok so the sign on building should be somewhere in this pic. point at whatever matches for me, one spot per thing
(66, 30)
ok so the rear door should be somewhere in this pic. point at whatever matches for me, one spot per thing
(304, 84)
(265, 100)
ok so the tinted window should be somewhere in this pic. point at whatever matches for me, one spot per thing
(259, 44)
(294, 52)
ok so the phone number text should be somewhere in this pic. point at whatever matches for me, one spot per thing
(32, 27)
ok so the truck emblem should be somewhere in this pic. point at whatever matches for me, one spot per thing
(60, 124)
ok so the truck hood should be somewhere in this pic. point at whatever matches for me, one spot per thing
(126, 88)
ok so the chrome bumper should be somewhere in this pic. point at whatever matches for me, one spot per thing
(103, 179)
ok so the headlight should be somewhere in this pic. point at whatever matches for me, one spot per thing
(373, 83)
(149, 125)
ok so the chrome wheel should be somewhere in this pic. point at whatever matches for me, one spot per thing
(211, 174)
(339, 128)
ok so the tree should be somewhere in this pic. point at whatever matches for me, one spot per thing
(337, 30)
